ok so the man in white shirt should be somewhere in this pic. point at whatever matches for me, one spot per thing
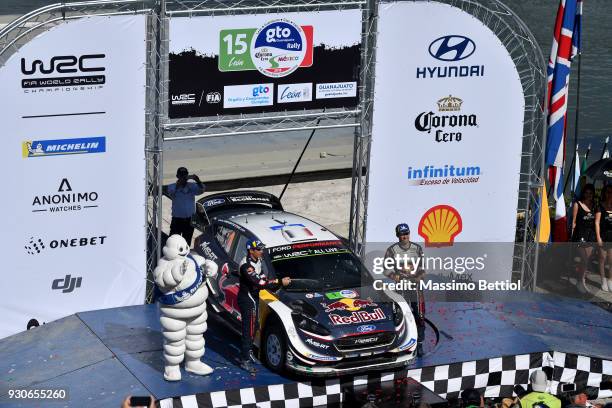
(183, 195)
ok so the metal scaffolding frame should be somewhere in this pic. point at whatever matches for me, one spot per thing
(530, 64)
(513, 33)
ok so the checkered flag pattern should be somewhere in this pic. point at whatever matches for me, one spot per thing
(311, 394)
(495, 377)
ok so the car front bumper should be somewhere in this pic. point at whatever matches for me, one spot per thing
(301, 366)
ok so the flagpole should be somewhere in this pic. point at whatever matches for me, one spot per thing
(605, 146)
(569, 173)
(577, 116)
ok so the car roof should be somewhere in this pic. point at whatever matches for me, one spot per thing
(274, 228)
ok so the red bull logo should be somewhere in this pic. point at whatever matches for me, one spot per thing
(350, 305)
(361, 316)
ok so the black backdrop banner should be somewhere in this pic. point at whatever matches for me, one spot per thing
(231, 65)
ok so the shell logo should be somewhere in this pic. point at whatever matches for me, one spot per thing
(440, 225)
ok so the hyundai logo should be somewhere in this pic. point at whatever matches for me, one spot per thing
(366, 328)
(452, 48)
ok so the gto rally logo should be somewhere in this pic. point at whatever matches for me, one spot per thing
(64, 68)
(65, 200)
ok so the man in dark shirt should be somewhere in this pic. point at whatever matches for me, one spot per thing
(183, 195)
(252, 280)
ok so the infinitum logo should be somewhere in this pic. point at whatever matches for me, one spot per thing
(84, 145)
(444, 174)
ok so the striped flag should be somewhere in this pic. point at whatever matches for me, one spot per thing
(566, 45)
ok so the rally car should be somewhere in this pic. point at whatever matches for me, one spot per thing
(329, 320)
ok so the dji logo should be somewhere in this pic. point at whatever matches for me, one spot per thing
(66, 284)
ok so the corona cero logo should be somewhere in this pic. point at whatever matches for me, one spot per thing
(440, 225)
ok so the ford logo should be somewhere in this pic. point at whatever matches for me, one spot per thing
(366, 328)
(452, 48)
(210, 203)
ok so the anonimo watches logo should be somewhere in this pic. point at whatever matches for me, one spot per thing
(65, 199)
(63, 72)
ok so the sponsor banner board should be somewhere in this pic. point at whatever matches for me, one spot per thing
(447, 133)
(72, 114)
(219, 65)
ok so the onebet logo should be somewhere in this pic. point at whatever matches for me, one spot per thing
(258, 90)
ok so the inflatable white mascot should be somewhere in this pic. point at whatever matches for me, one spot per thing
(181, 278)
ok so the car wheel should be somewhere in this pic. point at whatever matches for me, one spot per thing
(274, 348)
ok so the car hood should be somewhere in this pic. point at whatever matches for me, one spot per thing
(342, 312)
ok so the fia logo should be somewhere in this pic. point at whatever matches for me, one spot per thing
(66, 284)
(213, 97)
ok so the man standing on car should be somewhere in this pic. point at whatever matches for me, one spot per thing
(408, 265)
(252, 280)
(183, 195)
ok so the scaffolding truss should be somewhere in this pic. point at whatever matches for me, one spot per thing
(530, 65)
(512, 32)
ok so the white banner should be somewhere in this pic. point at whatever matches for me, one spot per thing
(72, 118)
(447, 133)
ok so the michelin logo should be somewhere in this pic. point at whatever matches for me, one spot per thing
(84, 145)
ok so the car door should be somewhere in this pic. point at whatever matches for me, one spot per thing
(230, 241)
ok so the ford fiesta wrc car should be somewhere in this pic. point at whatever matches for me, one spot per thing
(329, 320)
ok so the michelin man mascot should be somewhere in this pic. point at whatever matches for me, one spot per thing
(182, 293)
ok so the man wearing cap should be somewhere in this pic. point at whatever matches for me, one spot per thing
(252, 280)
(538, 395)
(183, 195)
(408, 265)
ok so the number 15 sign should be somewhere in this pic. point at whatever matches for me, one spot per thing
(276, 49)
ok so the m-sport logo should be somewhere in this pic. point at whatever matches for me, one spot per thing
(66, 284)
(63, 65)
(452, 48)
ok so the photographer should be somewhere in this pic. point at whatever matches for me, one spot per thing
(183, 195)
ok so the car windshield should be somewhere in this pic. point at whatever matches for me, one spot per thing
(327, 271)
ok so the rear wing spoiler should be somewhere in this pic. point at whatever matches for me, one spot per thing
(237, 199)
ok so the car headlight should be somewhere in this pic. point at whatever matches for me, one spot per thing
(397, 314)
(309, 325)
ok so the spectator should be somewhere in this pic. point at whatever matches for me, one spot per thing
(126, 403)
(578, 400)
(603, 231)
(470, 397)
(538, 396)
(583, 232)
(183, 195)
